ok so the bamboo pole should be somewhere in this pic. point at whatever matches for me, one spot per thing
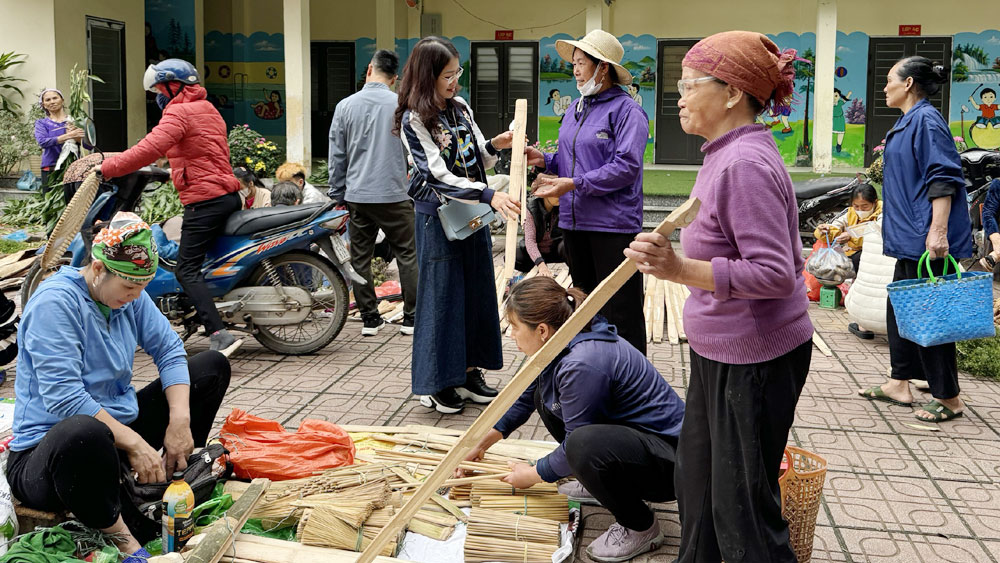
(221, 533)
(516, 189)
(680, 217)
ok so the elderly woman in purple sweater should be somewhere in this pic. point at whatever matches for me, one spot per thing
(746, 319)
(53, 130)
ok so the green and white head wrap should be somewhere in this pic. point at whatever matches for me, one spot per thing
(126, 248)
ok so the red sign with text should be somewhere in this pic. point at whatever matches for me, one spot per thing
(909, 30)
(504, 35)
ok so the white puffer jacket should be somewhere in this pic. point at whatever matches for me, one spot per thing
(865, 301)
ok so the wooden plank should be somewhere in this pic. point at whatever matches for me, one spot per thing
(822, 345)
(647, 307)
(11, 283)
(16, 267)
(585, 311)
(13, 257)
(658, 309)
(220, 534)
(518, 178)
(673, 323)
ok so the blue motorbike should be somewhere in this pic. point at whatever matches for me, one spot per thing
(280, 274)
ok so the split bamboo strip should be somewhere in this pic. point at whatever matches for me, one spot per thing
(267, 550)
(551, 507)
(220, 534)
(516, 527)
(658, 310)
(441, 502)
(647, 307)
(321, 527)
(500, 488)
(680, 217)
(460, 494)
(673, 321)
(822, 345)
(516, 189)
(483, 549)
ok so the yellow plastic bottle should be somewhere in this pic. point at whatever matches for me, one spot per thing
(178, 502)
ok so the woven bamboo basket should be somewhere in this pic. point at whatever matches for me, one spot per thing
(801, 490)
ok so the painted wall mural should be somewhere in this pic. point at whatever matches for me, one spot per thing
(557, 88)
(975, 83)
(793, 129)
(244, 76)
(169, 34)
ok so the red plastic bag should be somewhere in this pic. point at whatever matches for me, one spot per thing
(263, 448)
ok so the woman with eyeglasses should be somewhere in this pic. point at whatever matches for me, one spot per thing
(747, 321)
(457, 325)
(597, 175)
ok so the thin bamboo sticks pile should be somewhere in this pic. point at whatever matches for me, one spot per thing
(483, 488)
(479, 549)
(514, 527)
(551, 507)
(323, 527)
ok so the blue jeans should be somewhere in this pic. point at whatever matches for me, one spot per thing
(457, 325)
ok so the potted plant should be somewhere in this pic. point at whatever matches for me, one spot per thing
(247, 148)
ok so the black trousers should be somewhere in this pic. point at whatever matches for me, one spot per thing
(396, 221)
(620, 465)
(592, 256)
(735, 429)
(524, 263)
(203, 223)
(938, 365)
(76, 465)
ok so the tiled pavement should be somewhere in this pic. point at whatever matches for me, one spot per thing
(893, 492)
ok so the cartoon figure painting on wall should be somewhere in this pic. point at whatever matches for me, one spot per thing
(559, 102)
(271, 108)
(985, 131)
(839, 122)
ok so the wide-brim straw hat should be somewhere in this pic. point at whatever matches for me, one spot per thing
(601, 45)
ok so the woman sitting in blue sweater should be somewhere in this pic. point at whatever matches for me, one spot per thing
(614, 416)
(77, 409)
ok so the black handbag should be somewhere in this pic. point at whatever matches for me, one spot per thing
(148, 497)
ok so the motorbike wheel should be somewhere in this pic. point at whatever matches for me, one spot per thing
(36, 275)
(330, 303)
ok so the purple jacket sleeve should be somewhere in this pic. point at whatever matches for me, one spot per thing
(552, 163)
(753, 215)
(631, 134)
(519, 412)
(45, 136)
(583, 394)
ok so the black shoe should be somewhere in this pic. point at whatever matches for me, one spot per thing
(372, 324)
(476, 389)
(445, 402)
(407, 327)
(862, 334)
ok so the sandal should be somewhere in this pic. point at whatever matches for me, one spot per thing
(859, 332)
(877, 394)
(941, 413)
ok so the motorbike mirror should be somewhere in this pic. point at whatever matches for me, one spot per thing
(89, 132)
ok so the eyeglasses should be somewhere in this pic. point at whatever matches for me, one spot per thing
(454, 78)
(688, 82)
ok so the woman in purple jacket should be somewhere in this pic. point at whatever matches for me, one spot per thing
(615, 417)
(597, 175)
(53, 130)
(747, 319)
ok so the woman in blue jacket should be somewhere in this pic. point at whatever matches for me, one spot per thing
(77, 408)
(615, 417)
(924, 210)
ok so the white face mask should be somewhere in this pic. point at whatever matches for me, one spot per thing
(864, 214)
(591, 86)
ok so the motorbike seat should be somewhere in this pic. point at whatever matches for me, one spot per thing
(250, 221)
(808, 189)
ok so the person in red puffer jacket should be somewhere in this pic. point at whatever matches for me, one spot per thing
(192, 135)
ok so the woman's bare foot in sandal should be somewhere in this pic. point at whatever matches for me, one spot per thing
(954, 404)
(896, 389)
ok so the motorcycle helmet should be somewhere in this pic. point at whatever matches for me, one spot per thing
(169, 70)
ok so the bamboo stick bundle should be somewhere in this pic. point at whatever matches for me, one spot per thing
(353, 515)
(516, 527)
(482, 488)
(434, 525)
(501, 452)
(480, 549)
(550, 507)
(459, 494)
(321, 527)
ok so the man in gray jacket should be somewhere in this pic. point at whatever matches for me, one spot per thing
(368, 174)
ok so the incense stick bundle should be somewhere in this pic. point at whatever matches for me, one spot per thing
(480, 549)
(516, 527)
(321, 527)
(481, 488)
(551, 507)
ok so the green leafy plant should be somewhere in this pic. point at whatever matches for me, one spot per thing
(160, 204)
(320, 173)
(39, 210)
(8, 83)
(979, 357)
(249, 149)
(18, 138)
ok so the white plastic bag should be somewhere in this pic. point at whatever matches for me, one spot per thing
(8, 519)
(830, 266)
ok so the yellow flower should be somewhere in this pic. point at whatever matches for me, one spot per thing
(258, 167)
(249, 160)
